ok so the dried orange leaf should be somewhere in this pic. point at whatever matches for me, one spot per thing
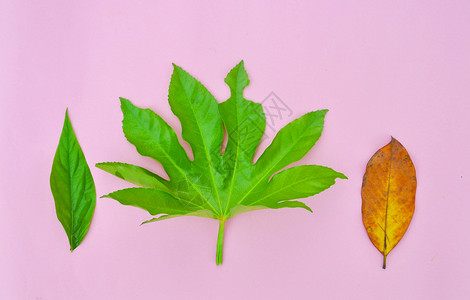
(388, 196)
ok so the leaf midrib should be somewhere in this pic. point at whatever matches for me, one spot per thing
(235, 167)
(386, 200)
(70, 183)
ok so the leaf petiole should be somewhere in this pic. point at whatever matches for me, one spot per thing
(220, 242)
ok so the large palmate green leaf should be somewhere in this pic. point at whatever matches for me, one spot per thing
(72, 186)
(218, 183)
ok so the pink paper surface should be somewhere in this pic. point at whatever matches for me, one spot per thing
(382, 68)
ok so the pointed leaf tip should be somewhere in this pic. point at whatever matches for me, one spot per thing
(237, 79)
(177, 68)
(123, 101)
(67, 118)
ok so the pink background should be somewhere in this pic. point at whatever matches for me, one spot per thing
(383, 68)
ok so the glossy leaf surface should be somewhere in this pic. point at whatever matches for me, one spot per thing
(72, 186)
(218, 183)
(388, 196)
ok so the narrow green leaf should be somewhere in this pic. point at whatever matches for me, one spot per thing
(154, 138)
(297, 182)
(134, 174)
(72, 186)
(244, 120)
(199, 115)
(292, 142)
(202, 128)
(245, 123)
(154, 201)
